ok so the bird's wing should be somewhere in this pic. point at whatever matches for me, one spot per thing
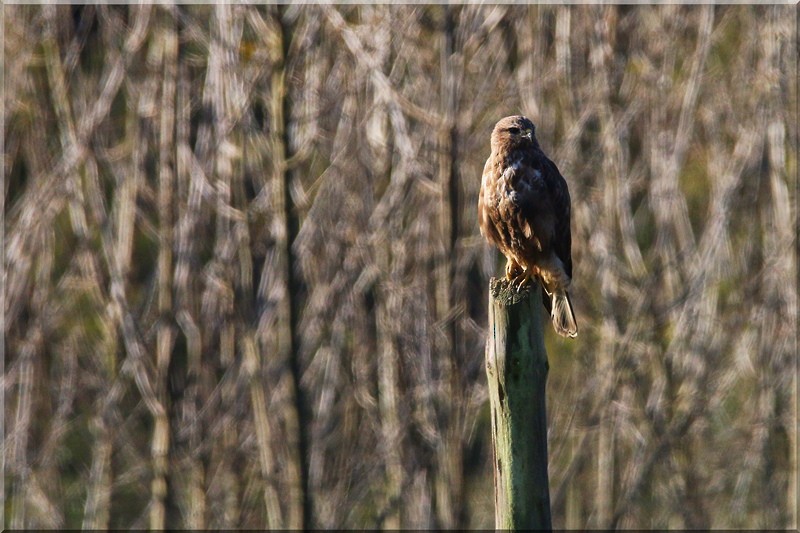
(485, 222)
(559, 197)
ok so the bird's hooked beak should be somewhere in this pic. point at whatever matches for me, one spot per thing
(529, 134)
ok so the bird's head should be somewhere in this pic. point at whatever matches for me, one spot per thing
(513, 132)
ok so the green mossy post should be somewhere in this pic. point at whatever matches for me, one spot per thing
(516, 367)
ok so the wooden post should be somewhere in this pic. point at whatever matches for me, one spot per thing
(516, 367)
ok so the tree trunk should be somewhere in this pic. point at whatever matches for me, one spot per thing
(299, 516)
(449, 476)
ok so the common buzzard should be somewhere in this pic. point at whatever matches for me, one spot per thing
(524, 210)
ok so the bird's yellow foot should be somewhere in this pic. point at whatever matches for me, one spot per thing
(513, 270)
(523, 279)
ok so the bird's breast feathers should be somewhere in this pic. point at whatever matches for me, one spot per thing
(517, 182)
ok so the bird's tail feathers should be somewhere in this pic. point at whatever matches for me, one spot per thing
(561, 312)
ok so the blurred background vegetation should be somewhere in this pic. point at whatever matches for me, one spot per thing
(245, 287)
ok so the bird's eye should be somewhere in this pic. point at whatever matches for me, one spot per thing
(513, 131)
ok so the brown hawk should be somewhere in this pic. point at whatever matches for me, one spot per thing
(524, 210)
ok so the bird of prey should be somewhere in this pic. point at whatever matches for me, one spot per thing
(524, 210)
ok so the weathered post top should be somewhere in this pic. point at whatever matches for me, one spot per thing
(516, 368)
